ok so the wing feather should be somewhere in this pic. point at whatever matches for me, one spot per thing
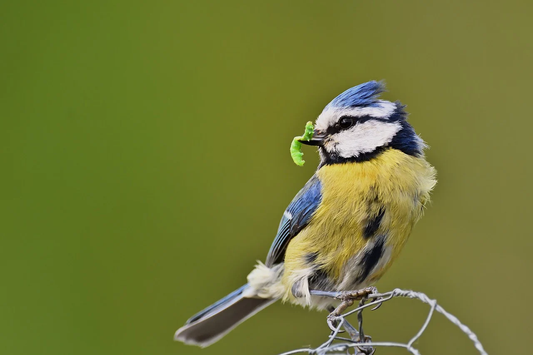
(295, 218)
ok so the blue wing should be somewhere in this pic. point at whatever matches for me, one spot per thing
(295, 218)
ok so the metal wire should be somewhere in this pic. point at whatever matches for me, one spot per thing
(343, 345)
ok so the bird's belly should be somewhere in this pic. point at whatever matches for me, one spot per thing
(340, 261)
(365, 217)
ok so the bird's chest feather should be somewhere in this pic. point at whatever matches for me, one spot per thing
(366, 215)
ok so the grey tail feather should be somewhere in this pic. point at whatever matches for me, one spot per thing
(211, 324)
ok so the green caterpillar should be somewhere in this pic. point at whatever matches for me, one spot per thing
(296, 145)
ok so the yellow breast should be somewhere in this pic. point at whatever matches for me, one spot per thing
(379, 199)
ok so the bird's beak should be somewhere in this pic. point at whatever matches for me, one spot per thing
(317, 140)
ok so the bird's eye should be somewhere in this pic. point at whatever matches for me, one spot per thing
(346, 122)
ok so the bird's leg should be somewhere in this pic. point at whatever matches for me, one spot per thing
(347, 296)
(335, 313)
(332, 318)
(361, 294)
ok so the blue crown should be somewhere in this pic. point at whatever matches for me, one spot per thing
(361, 95)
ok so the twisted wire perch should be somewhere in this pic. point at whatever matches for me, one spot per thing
(364, 345)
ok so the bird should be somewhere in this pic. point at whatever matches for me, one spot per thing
(349, 222)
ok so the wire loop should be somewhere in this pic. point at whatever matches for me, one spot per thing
(363, 345)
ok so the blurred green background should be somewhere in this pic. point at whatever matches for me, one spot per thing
(144, 149)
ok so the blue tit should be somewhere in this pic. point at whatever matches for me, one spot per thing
(342, 231)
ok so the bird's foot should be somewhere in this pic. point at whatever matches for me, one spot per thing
(362, 295)
(357, 295)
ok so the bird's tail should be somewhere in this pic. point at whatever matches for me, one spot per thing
(211, 324)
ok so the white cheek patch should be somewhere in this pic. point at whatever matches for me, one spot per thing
(364, 138)
(330, 116)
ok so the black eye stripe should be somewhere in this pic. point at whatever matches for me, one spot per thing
(354, 120)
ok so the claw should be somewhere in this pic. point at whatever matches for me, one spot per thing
(379, 304)
(332, 323)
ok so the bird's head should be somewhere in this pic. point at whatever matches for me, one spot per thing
(358, 126)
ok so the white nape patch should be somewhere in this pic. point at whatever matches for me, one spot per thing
(363, 138)
(287, 214)
(383, 109)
